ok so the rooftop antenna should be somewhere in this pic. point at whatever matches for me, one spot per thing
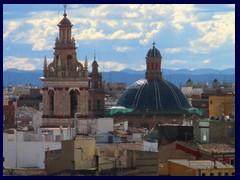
(189, 72)
(170, 75)
(98, 53)
(94, 55)
(65, 7)
(110, 75)
(58, 12)
(153, 41)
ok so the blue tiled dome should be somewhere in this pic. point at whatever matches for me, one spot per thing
(153, 94)
(154, 52)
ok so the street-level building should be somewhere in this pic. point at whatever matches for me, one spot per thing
(183, 167)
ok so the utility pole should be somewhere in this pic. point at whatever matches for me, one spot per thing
(97, 161)
(97, 164)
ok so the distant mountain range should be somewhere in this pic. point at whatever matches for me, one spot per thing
(177, 77)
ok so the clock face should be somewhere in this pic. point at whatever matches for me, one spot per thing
(204, 124)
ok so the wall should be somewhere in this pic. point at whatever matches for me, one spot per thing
(104, 125)
(24, 172)
(84, 151)
(221, 131)
(8, 113)
(179, 170)
(140, 121)
(37, 119)
(185, 169)
(219, 105)
(150, 146)
(170, 133)
(169, 151)
(28, 153)
(64, 158)
(216, 172)
(146, 162)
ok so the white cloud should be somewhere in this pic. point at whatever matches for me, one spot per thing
(138, 22)
(182, 14)
(157, 26)
(138, 67)
(206, 61)
(130, 15)
(139, 26)
(198, 49)
(175, 62)
(172, 50)
(121, 49)
(120, 34)
(99, 12)
(116, 34)
(21, 63)
(90, 34)
(111, 23)
(9, 27)
(231, 5)
(111, 66)
(214, 32)
(90, 23)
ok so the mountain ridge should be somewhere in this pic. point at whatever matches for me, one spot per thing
(177, 77)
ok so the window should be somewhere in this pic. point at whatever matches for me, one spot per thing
(73, 102)
(89, 105)
(203, 174)
(225, 174)
(152, 66)
(220, 159)
(51, 102)
(98, 104)
(233, 173)
(211, 174)
(232, 161)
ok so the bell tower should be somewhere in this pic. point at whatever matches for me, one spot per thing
(96, 92)
(65, 81)
(153, 63)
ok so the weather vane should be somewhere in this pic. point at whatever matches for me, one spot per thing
(65, 6)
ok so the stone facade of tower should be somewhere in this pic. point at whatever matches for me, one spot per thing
(65, 81)
(96, 92)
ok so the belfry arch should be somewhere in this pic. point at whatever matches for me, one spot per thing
(51, 101)
(73, 95)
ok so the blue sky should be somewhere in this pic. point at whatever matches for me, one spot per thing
(188, 36)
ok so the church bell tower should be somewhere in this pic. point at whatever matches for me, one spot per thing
(65, 81)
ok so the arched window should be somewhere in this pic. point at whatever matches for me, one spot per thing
(73, 102)
(152, 66)
(69, 60)
(51, 102)
(98, 105)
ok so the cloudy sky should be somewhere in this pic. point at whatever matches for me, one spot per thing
(188, 36)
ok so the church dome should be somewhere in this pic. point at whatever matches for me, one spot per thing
(153, 52)
(154, 94)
